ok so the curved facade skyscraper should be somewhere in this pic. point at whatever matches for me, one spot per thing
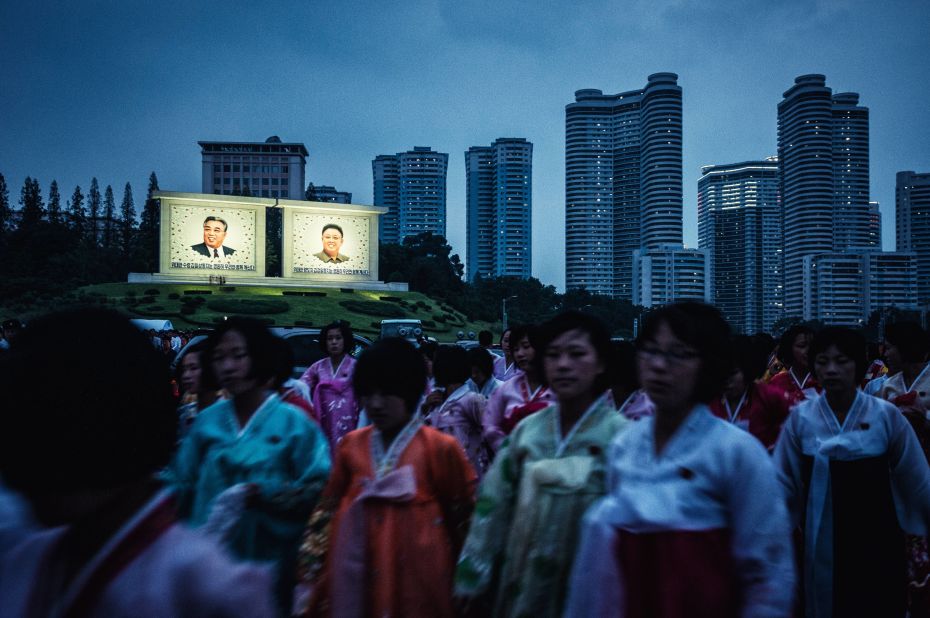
(823, 152)
(623, 187)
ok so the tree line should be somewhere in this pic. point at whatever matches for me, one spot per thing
(48, 247)
(51, 245)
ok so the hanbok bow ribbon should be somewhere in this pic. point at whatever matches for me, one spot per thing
(349, 551)
(560, 475)
(818, 528)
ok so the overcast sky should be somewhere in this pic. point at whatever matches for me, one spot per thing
(117, 89)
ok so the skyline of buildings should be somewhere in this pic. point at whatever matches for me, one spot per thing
(499, 201)
(623, 163)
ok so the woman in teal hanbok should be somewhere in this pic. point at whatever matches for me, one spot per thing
(252, 467)
(551, 468)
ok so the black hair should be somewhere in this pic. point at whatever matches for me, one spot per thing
(485, 337)
(703, 328)
(909, 338)
(482, 360)
(450, 365)
(284, 358)
(521, 331)
(749, 357)
(198, 348)
(428, 349)
(621, 366)
(106, 419)
(786, 343)
(503, 332)
(259, 342)
(391, 366)
(332, 226)
(213, 218)
(348, 338)
(566, 322)
(849, 342)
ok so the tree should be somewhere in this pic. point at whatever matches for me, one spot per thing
(426, 262)
(127, 220)
(54, 204)
(93, 208)
(109, 221)
(76, 214)
(6, 215)
(148, 226)
(31, 201)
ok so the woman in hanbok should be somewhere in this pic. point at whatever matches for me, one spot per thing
(384, 539)
(908, 388)
(461, 409)
(625, 393)
(694, 524)
(198, 387)
(330, 382)
(505, 367)
(252, 465)
(747, 402)
(519, 396)
(524, 532)
(482, 378)
(856, 481)
(796, 380)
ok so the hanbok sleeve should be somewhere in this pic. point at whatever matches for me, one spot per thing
(594, 585)
(494, 419)
(787, 459)
(181, 475)
(491, 522)
(910, 477)
(455, 482)
(762, 549)
(310, 465)
(315, 544)
(311, 377)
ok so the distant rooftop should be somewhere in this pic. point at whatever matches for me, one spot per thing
(271, 145)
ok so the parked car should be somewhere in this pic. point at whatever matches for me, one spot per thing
(410, 329)
(304, 343)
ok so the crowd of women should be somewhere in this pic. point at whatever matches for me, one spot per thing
(691, 473)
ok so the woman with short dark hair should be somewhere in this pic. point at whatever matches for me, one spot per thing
(520, 396)
(523, 535)
(694, 523)
(330, 382)
(796, 381)
(384, 539)
(856, 481)
(254, 452)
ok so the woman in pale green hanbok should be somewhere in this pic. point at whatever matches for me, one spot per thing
(518, 555)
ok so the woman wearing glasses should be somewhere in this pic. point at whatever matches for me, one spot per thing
(694, 523)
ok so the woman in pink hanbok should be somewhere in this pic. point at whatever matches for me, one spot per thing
(518, 397)
(330, 382)
(460, 412)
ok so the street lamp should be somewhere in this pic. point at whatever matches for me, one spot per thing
(504, 311)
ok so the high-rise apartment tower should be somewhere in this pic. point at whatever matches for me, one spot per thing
(823, 154)
(499, 182)
(623, 188)
(739, 224)
(412, 186)
(912, 228)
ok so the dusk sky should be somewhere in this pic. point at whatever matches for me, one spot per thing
(117, 89)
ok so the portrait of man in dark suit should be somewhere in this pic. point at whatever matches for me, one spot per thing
(214, 233)
(332, 243)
